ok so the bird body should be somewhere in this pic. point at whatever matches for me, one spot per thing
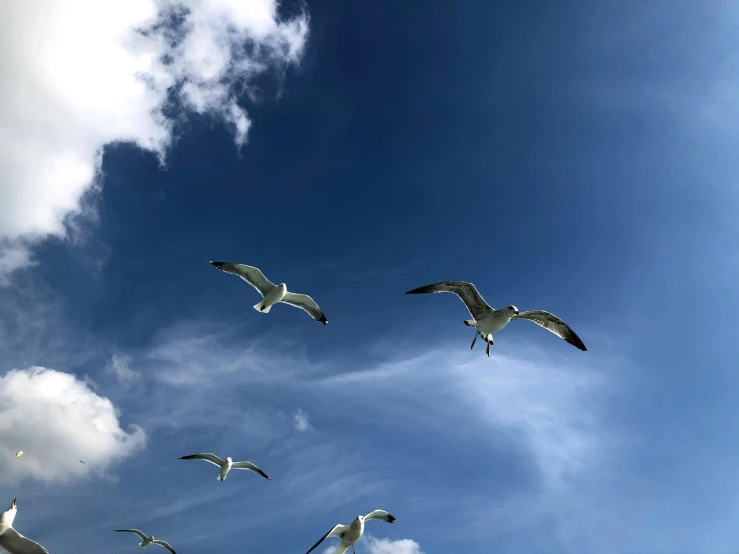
(350, 534)
(146, 541)
(225, 465)
(271, 294)
(11, 540)
(487, 320)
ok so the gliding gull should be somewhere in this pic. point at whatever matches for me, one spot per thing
(349, 534)
(225, 465)
(271, 293)
(11, 540)
(146, 541)
(487, 321)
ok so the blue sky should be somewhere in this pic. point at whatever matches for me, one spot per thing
(574, 158)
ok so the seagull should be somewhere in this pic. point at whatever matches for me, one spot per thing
(271, 293)
(225, 465)
(487, 321)
(11, 540)
(349, 534)
(146, 541)
(80, 461)
(19, 454)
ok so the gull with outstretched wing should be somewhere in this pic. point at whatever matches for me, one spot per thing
(146, 541)
(11, 540)
(487, 320)
(225, 465)
(349, 534)
(271, 293)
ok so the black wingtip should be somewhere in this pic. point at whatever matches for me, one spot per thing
(420, 290)
(391, 518)
(218, 265)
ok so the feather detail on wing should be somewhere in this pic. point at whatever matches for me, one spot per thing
(305, 302)
(552, 323)
(382, 515)
(248, 273)
(164, 544)
(466, 292)
(208, 457)
(250, 466)
(336, 531)
(15, 543)
(134, 531)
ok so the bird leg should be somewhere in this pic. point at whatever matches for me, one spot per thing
(354, 551)
(487, 350)
(473, 341)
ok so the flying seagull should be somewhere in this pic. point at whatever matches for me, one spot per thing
(146, 541)
(19, 454)
(11, 540)
(271, 293)
(487, 321)
(349, 534)
(225, 465)
(80, 461)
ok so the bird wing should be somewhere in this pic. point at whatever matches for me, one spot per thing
(343, 547)
(250, 466)
(466, 292)
(305, 302)
(337, 531)
(552, 323)
(381, 515)
(250, 274)
(164, 544)
(135, 531)
(208, 457)
(15, 543)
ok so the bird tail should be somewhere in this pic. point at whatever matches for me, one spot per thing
(259, 306)
(470, 323)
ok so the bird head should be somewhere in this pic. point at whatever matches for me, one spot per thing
(13, 505)
(228, 459)
(512, 310)
(283, 286)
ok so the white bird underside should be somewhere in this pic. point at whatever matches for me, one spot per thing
(11, 540)
(270, 292)
(144, 539)
(488, 320)
(215, 460)
(349, 534)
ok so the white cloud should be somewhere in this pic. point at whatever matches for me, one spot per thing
(79, 74)
(120, 367)
(371, 545)
(301, 421)
(387, 546)
(52, 415)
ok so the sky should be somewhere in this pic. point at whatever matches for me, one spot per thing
(576, 157)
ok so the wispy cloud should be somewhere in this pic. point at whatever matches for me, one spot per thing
(120, 367)
(301, 421)
(130, 77)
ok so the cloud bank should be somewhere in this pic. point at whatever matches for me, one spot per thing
(79, 74)
(56, 419)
